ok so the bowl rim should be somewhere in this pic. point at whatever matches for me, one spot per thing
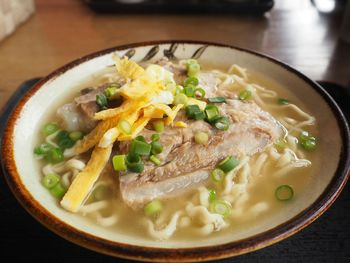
(124, 250)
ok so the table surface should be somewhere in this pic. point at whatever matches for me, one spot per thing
(60, 31)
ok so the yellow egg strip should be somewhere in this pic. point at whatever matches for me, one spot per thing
(84, 181)
(95, 135)
(127, 68)
(152, 112)
(173, 114)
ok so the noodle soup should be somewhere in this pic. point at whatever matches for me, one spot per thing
(254, 146)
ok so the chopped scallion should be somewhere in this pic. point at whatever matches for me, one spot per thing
(158, 126)
(245, 95)
(181, 99)
(211, 111)
(201, 91)
(193, 69)
(156, 147)
(220, 207)
(76, 135)
(217, 100)
(217, 175)
(54, 155)
(155, 160)
(282, 101)
(212, 195)
(153, 208)
(189, 90)
(155, 137)
(284, 192)
(58, 191)
(191, 110)
(50, 128)
(134, 163)
(124, 126)
(119, 163)
(101, 101)
(228, 164)
(140, 138)
(307, 141)
(191, 81)
(140, 148)
(50, 180)
(222, 123)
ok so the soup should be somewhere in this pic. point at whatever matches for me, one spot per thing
(173, 150)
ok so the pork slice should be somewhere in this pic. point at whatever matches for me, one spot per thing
(187, 164)
(179, 70)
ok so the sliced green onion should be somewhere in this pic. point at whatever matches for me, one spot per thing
(282, 101)
(101, 101)
(124, 126)
(76, 135)
(220, 207)
(158, 126)
(189, 90)
(228, 164)
(140, 138)
(191, 81)
(217, 100)
(134, 163)
(155, 160)
(199, 115)
(211, 111)
(64, 141)
(50, 128)
(119, 163)
(102, 192)
(43, 149)
(284, 192)
(181, 99)
(201, 138)
(245, 95)
(153, 208)
(191, 61)
(212, 195)
(193, 69)
(281, 144)
(110, 92)
(156, 147)
(50, 180)
(54, 155)
(307, 141)
(217, 175)
(191, 110)
(58, 191)
(222, 123)
(201, 91)
(140, 148)
(155, 137)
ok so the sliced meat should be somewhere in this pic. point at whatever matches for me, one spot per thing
(89, 94)
(185, 163)
(179, 70)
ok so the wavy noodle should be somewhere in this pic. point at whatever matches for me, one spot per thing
(165, 232)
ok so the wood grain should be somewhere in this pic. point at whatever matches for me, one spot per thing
(61, 31)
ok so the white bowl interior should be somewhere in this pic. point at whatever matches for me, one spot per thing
(27, 128)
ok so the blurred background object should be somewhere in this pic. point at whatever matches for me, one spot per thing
(13, 13)
(182, 6)
(345, 29)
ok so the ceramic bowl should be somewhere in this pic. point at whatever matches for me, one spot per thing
(23, 172)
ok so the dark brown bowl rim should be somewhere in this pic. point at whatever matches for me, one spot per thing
(101, 245)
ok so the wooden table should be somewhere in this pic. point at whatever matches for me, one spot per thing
(63, 30)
